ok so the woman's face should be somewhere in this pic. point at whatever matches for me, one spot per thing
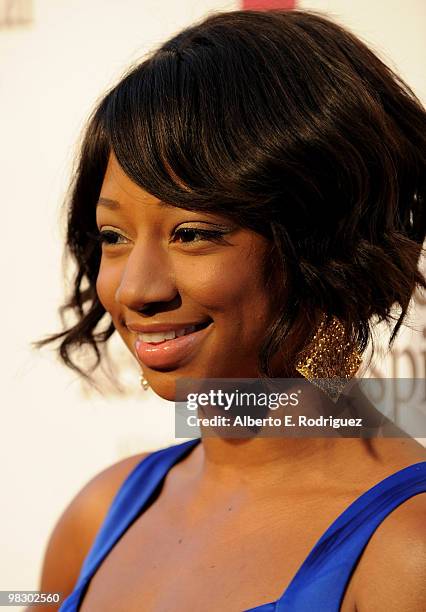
(165, 269)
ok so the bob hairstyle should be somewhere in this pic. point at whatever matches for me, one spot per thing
(289, 125)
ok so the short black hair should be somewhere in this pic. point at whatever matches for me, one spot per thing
(291, 126)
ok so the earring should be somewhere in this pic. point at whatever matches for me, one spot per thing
(143, 381)
(329, 358)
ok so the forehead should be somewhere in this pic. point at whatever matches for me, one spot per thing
(119, 193)
(118, 187)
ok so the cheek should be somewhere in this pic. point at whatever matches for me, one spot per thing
(107, 283)
(208, 282)
(230, 287)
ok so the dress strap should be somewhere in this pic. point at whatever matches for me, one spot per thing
(321, 581)
(138, 491)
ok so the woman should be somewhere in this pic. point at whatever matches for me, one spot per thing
(249, 202)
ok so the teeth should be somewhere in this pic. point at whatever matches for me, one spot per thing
(157, 336)
(170, 335)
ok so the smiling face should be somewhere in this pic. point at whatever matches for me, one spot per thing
(165, 270)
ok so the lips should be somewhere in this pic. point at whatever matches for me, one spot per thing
(163, 353)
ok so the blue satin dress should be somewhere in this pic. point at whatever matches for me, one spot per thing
(321, 580)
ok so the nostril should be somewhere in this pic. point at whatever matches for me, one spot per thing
(146, 310)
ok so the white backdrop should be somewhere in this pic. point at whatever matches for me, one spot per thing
(55, 434)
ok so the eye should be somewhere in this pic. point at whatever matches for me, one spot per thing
(111, 237)
(192, 234)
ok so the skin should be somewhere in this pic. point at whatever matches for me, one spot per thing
(226, 512)
(152, 265)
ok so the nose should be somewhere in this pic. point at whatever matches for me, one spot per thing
(147, 278)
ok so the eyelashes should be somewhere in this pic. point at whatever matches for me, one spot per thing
(184, 235)
(109, 237)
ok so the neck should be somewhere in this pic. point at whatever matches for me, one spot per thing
(261, 459)
(268, 460)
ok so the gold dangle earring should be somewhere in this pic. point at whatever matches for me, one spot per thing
(328, 361)
(143, 381)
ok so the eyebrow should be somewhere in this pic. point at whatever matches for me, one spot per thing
(115, 205)
(111, 204)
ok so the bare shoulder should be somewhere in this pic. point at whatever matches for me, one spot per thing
(392, 572)
(76, 528)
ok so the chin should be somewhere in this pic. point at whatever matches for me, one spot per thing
(164, 385)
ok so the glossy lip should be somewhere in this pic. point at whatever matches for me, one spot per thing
(169, 353)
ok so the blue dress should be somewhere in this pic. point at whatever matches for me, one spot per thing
(321, 580)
